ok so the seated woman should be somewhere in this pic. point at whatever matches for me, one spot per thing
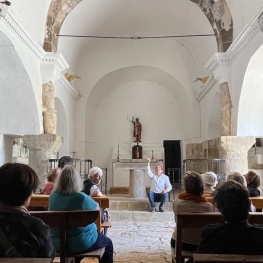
(67, 195)
(27, 234)
(91, 188)
(253, 182)
(191, 201)
(51, 178)
(238, 177)
(210, 181)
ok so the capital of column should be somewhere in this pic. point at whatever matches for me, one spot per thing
(234, 149)
(220, 67)
(52, 65)
(44, 142)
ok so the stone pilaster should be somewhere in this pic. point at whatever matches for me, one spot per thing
(41, 148)
(226, 109)
(234, 150)
(49, 112)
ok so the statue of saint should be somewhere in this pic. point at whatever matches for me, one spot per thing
(137, 130)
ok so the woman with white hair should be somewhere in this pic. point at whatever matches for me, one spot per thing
(66, 196)
(91, 188)
(91, 184)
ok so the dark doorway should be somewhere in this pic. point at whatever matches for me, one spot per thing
(172, 159)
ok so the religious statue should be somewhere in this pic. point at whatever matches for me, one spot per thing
(137, 130)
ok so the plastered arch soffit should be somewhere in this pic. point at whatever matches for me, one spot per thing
(19, 114)
(216, 11)
(249, 119)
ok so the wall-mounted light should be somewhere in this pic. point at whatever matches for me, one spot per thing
(5, 3)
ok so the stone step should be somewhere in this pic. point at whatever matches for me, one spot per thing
(132, 204)
(141, 216)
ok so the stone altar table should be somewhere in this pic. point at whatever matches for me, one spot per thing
(137, 186)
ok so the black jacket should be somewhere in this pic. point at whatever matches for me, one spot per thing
(29, 235)
(239, 238)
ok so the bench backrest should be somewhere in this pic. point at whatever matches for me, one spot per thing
(39, 200)
(199, 220)
(64, 220)
(228, 258)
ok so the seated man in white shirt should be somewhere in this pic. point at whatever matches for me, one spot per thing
(160, 187)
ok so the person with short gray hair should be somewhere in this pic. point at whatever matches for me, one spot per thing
(91, 184)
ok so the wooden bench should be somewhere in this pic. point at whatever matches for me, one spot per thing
(229, 258)
(199, 220)
(257, 201)
(67, 219)
(26, 260)
(39, 200)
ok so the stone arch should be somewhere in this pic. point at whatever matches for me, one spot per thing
(217, 13)
(57, 12)
(19, 111)
(220, 18)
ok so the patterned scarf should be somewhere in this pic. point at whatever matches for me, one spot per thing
(195, 198)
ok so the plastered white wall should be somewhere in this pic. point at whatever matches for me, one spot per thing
(66, 106)
(242, 11)
(113, 124)
(33, 15)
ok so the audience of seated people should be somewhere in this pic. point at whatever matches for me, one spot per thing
(29, 235)
(191, 201)
(51, 179)
(91, 188)
(210, 181)
(236, 236)
(67, 195)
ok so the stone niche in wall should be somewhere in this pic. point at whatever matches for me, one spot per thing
(206, 150)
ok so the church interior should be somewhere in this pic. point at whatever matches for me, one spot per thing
(75, 74)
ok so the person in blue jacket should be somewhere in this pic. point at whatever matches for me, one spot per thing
(67, 195)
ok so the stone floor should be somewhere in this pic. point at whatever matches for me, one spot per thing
(138, 235)
(146, 242)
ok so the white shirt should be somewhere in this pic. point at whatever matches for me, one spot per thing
(159, 183)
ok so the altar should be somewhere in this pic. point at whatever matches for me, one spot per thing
(137, 174)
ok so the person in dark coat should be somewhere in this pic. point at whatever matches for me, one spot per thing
(236, 235)
(29, 235)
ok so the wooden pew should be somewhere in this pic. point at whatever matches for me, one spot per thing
(198, 220)
(66, 219)
(229, 258)
(39, 200)
(26, 260)
(257, 201)
(103, 202)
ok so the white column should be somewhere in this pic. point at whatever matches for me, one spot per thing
(6, 149)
